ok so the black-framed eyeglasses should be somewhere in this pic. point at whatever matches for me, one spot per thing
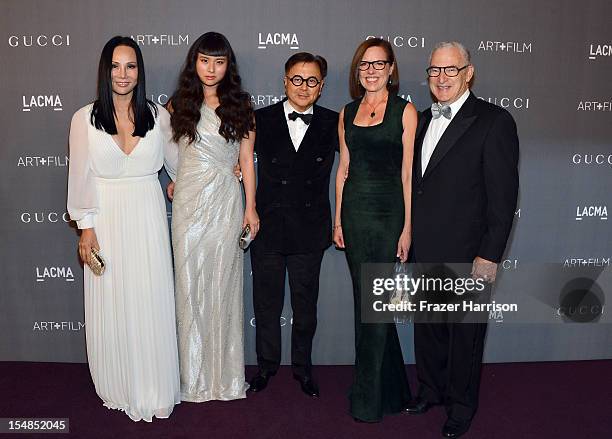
(297, 80)
(377, 65)
(449, 71)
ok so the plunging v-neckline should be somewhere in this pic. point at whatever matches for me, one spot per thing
(121, 149)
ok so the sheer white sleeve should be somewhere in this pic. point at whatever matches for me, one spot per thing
(82, 196)
(170, 146)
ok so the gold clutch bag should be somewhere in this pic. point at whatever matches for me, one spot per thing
(97, 264)
(245, 237)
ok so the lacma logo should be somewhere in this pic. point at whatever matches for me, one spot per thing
(38, 40)
(278, 39)
(41, 101)
(504, 46)
(161, 39)
(600, 212)
(45, 273)
(596, 50)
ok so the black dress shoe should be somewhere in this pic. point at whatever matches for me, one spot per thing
(418, 407)
(453, 429)
(260, 381)
(361, 421)
(309, 387)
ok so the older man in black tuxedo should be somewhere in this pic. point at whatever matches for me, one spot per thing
(295, 145)
(465, 185)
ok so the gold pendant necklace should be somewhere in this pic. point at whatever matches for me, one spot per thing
(373, 108)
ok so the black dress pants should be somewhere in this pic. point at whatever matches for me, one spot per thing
(449, 361)
(269, 270)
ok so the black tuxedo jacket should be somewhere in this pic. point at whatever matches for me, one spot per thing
(293, 186)
(464, 204)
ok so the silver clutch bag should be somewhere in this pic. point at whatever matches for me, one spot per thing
(245, 237)
(97, 264)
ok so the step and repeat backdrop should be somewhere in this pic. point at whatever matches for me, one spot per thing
(548, 63)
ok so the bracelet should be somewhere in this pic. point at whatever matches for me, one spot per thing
(338, 226)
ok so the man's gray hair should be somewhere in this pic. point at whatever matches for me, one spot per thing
(456, 44)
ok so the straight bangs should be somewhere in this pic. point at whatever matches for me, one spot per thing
(214, 46)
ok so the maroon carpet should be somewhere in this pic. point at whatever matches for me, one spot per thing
(520, 400)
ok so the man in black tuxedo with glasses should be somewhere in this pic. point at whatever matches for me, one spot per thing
(295, 144)
(464, 194)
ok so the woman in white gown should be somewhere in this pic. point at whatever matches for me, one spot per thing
(213, 121)
(117, 148)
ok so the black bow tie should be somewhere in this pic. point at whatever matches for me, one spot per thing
(305, 117)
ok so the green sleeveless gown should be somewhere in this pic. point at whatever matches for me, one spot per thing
(372, 221)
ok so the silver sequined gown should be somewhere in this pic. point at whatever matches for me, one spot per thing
(207, 214)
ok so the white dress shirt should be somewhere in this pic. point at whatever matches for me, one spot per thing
(297, 127)
(436, 130)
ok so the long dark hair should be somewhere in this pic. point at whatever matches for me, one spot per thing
(355, 87)
(235, 108)
(103, 112)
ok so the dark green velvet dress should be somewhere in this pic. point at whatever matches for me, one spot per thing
(372, 221)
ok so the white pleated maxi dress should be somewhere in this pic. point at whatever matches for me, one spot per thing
(130, 321)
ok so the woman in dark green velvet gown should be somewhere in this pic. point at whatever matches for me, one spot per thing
(372, 220)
